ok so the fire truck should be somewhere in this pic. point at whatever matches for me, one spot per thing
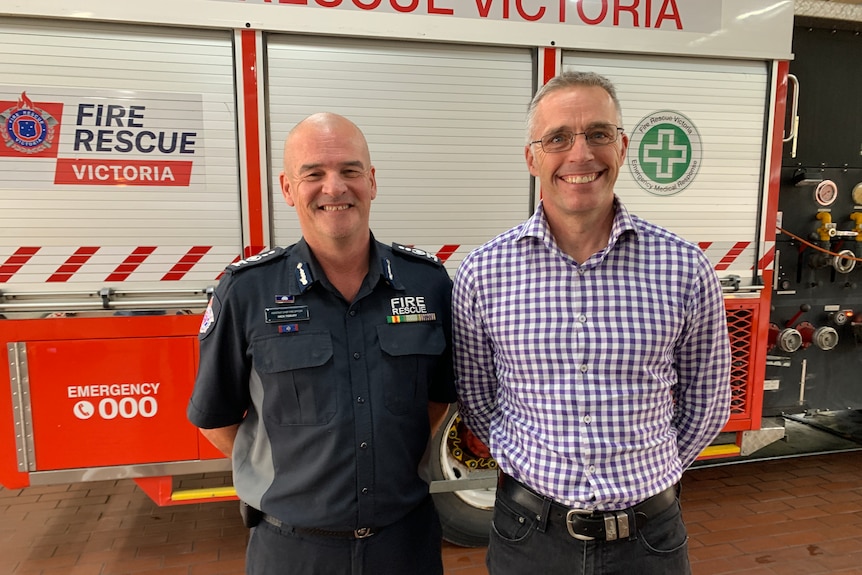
(142, 142)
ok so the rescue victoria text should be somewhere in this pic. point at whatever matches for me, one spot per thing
(116, 130)
(637, 14)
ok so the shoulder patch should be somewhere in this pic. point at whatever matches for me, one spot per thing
(251, 261)
(416, 253)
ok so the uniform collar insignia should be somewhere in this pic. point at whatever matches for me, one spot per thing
(389, 273)
(304, 277)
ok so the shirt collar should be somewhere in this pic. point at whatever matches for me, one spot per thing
(307, 270)
(537, 225)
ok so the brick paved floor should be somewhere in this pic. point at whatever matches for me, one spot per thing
(780, 517)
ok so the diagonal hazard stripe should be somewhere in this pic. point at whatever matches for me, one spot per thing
(768, 259)
(446, 252)
(130, 264)
(16, 261)
(72, 264)
(731, 256)
(186, 263)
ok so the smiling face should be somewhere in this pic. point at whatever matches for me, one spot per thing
(579, 182)
(328, 178)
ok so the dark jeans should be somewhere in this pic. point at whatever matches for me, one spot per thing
(411, 545)
(659, 548)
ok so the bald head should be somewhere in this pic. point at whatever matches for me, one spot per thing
(321, 127)
(328, 178)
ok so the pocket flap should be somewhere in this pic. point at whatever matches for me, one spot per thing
(294, 351)
(412, 338)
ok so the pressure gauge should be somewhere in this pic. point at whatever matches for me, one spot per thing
(857, 194)
(826, 193)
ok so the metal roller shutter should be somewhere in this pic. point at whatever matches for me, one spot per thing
(90, 234)
(445, 124)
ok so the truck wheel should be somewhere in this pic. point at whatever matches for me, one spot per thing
(464, 514)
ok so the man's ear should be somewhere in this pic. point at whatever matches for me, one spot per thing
(624, 146)
(285, 188)
(531, 160)
(373, 183)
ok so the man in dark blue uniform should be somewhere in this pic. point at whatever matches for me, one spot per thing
(324, 367)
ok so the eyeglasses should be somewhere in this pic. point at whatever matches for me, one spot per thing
(600, 135)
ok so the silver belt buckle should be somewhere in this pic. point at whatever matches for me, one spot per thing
(362, 532)
(569, 515)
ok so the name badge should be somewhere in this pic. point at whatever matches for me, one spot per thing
(287, 314)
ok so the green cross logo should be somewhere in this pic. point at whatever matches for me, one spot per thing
(664, 153)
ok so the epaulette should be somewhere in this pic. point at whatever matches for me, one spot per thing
(251, 261)
(416, 253)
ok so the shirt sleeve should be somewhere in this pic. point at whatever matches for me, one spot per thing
(475, 375)
(221, 396)
(703, 358)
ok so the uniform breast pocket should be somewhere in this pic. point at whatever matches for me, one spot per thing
(411, 353)
(297, 376)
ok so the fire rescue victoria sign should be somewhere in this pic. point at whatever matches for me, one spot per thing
(102, 139)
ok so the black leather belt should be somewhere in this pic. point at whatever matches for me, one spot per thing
(583, 524)
(360, 533)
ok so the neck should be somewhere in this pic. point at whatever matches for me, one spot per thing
(582, 236)
(345, 263)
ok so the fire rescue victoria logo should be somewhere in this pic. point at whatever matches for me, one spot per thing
(28, 128)
(664, 153)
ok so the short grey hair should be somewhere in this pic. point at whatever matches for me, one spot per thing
(571, 79)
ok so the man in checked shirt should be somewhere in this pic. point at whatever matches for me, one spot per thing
(592, 357)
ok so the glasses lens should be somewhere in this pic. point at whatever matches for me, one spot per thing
(559, 142)
(601, 135)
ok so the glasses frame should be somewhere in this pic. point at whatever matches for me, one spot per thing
(618, 131)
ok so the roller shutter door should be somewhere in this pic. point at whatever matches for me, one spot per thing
(96, 231)
(445, 124)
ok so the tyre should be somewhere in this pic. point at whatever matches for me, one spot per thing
(465, 514)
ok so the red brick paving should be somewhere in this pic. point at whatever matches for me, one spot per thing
(781, 517)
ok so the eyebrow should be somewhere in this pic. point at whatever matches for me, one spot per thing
(350, 164)
(558, 129)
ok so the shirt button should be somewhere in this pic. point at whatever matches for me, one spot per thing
(352, 312)
(591, 468)
(588, 419)
(584, 368)
(356, 355)
(582, 318)
(581, 271)
(363, 445)
(360, 400)
(365, 491)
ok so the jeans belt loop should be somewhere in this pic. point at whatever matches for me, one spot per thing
(542, 520)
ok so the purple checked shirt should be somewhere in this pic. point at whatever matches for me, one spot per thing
(597, 384)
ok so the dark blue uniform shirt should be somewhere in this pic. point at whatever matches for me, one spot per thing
(331, 396)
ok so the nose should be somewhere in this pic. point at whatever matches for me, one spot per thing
(580, 149)
(334, 184)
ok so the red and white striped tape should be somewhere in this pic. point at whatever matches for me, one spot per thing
(723, 255)
(66, 270)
